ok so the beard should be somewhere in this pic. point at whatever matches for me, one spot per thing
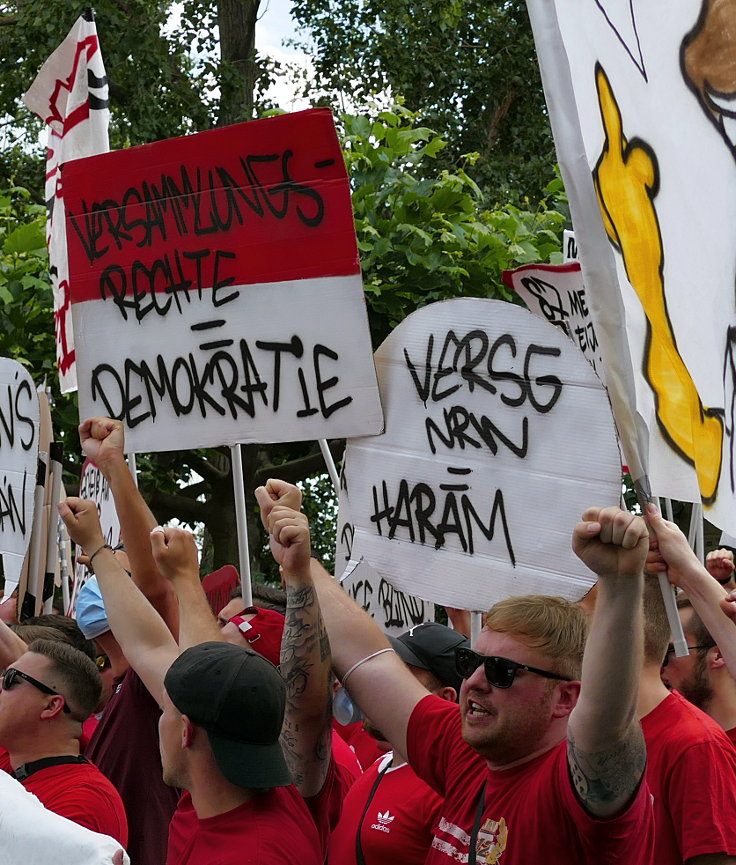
(696, 689)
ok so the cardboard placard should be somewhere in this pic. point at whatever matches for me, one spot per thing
(94, 486)
(556, 293)
(19, 438)
(498, 436)
(395, 611)
(216, 289)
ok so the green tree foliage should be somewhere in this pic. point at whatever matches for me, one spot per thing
(423, 231)
(467, 66)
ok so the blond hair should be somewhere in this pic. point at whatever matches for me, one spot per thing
(554, 626)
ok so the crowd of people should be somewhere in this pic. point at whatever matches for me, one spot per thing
(567, 733)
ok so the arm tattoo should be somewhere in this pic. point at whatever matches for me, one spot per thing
(304, 650)
(606, 777)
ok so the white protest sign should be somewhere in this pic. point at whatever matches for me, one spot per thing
(94, 486)
(29, 832)
(19, 437)
(498, 436)
(394, 610)
(569, 246)
(641, 104)
(556, 293)
(216, 289)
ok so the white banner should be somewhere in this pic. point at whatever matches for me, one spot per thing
(498, 436)
(642, 111)
(70, 96)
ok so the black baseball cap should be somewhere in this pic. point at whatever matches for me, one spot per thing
(238, 697)
(431, 646)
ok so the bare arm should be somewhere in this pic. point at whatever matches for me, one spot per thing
(305, 651)
(103, 442)
(143, 636)
(606, 751)
(382, 686)
(11, 646)
(175, 554)
(671, 552)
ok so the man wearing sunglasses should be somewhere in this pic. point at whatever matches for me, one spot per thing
(45, 695)
(545, 760)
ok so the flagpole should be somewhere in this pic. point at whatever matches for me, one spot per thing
(242, 523)
(330, 463)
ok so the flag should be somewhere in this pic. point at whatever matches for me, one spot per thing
(70, 96)
(642, 127)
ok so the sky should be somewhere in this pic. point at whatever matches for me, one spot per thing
(274, 27)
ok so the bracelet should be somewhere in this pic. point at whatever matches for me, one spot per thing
(344, 679)
(103, 547)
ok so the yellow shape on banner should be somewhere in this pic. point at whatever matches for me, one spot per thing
(626, 181)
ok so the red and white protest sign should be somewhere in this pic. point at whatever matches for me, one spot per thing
(216, 288)
(70, 96)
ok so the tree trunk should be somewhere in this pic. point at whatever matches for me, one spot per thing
(239, 72)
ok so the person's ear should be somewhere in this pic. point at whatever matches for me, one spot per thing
(447, 693)
(568, 694)
(54, 707)
(188, 733)
(714, 659)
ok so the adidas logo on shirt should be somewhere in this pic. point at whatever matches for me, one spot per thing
(384, 822)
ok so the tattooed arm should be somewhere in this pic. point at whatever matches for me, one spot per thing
(606, 752)
(305, 654)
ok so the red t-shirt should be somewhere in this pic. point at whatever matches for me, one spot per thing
(79, 792)
(732, 734)
(361, 743)
(347, 762)
(691, 771)
(124, 746)
(532, 814)
(273, 827)
(398, 826)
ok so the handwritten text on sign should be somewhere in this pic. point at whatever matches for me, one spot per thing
(498, 435)
(394, 610)
(94, 486)
(19, 431)
(217, 288)
(556, 293)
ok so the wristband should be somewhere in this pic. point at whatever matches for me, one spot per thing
(102, 547)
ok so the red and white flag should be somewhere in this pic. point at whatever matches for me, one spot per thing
(70, 96)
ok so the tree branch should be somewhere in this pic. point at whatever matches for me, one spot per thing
(298, 469)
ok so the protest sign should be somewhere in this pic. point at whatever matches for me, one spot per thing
(28, 831)
(556, 293)
(19, 436)
(394, 610)
(93, 485)
(619, 78)
(216, 289)
(498, 436)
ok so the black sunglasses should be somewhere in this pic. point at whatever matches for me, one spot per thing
(500, 672)
(11, 675)
(671, 651)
